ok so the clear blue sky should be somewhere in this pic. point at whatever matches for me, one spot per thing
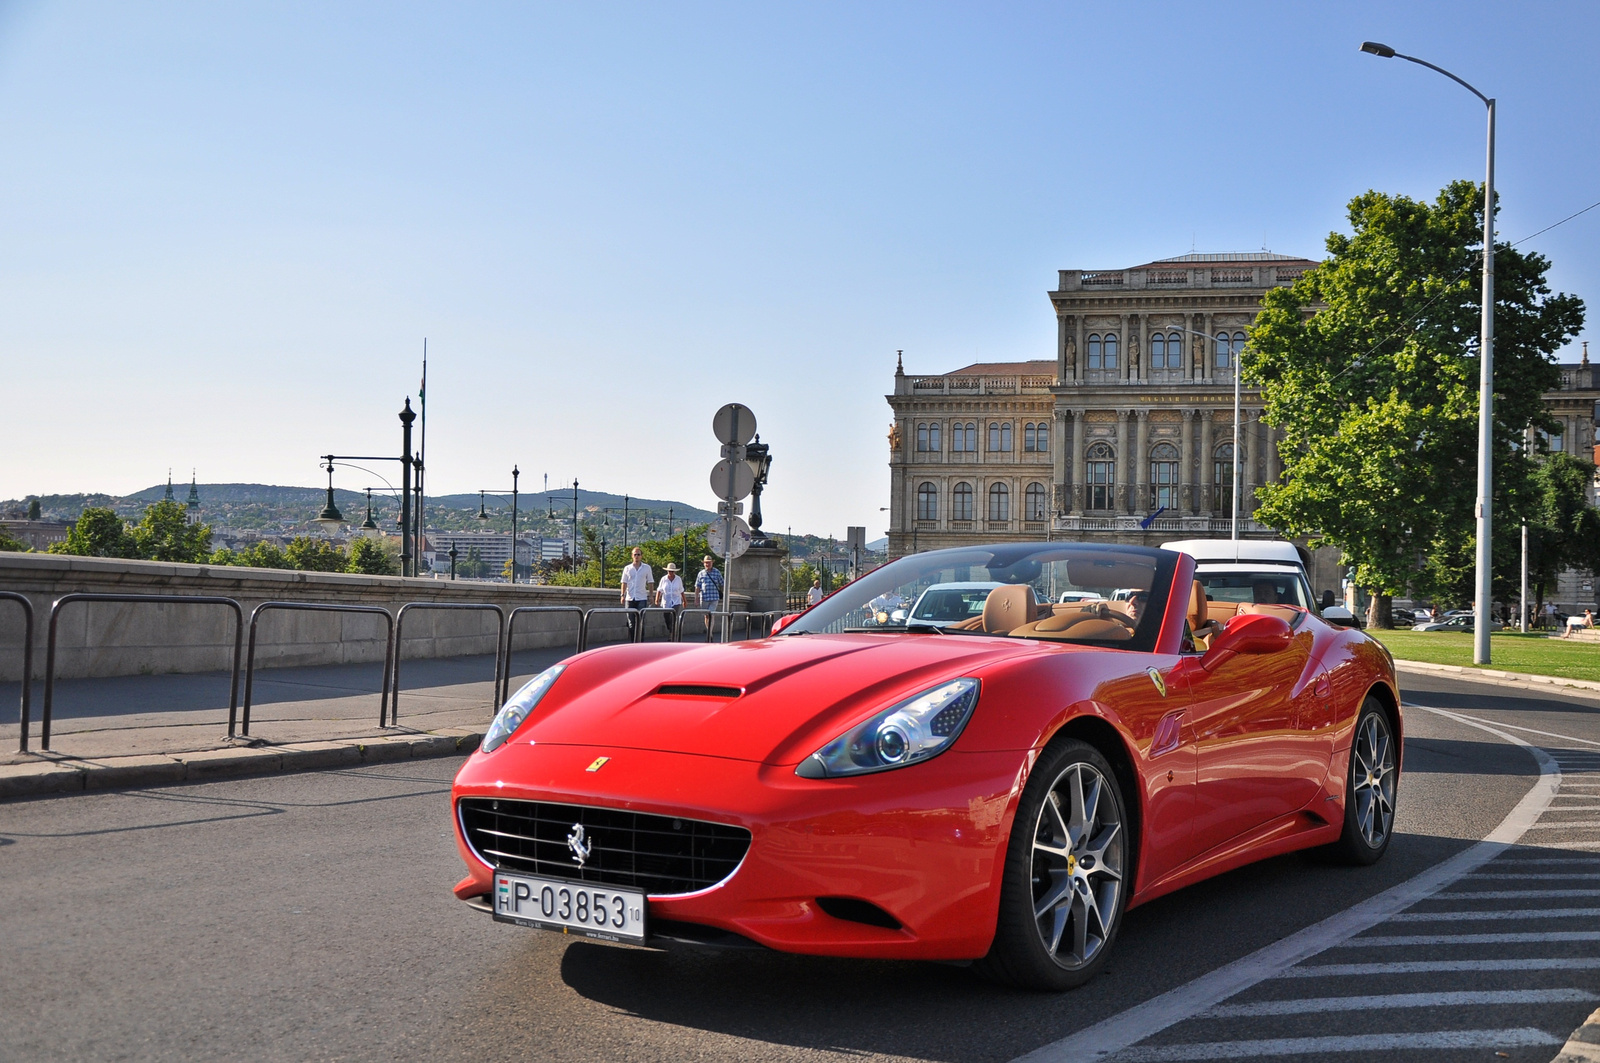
(226, 228)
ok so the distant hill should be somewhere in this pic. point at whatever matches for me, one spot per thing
(288, 511)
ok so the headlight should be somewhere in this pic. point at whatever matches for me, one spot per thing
(906, 733)
(514, 712)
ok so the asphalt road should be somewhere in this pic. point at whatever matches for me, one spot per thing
(310, 917)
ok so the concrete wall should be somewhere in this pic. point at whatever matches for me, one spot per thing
(108, 639)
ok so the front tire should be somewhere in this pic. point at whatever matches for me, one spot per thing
(1064, 889)
(1369, 789)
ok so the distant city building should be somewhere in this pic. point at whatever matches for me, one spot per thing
(1126, 435)
(39, 535)
(493, 547)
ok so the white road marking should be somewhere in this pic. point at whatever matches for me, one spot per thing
(1543, 963)
(1490, 724)
(1518, 1037)
(1515, 859)
(1143, 1020)
(1539, 876)
(1399, 1000)
(1558, 825)
(1510, 895)
(1523, 913)
(1470, 939)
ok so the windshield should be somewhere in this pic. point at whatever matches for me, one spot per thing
(1061, 592)
(1263, 586)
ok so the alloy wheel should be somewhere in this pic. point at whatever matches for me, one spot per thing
(1372, 779)
(1078, 862)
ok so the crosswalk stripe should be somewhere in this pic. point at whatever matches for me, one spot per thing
(1542, 963)
(1586, 823)
(1517, 1037)
(1538, 876)
(1315, 1005)
(1521, 913)
(1470, 939)
(1516, 861)
(1509, 895)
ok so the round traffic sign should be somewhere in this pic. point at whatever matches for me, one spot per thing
(716, 538)
(732, 480)
(734, 423)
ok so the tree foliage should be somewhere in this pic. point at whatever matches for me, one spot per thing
(98, 533)
(8, 542)
(1369, 362)
(369, 557)
(165, 534)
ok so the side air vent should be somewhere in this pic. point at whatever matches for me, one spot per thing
(699, 690)
(856, 910)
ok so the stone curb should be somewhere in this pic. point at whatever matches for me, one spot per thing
(68, 775)
(1584, 1044)
(1491, 675)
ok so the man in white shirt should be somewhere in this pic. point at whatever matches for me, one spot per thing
(636, 580)
(814, 595)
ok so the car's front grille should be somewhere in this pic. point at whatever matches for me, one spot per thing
(656, 854)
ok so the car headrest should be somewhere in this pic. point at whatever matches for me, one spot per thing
(1197, 606)
(1008, 608)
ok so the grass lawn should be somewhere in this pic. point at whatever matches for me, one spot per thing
(1509, 651)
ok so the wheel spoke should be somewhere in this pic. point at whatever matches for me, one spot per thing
(1075, 822)
(1080, 927)
(1053, 809)
(1054, 895)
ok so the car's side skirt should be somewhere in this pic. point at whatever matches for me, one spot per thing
(1300, 830)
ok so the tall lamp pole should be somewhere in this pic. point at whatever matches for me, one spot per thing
(1480, 626)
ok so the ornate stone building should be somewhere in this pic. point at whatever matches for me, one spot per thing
(1127, 434)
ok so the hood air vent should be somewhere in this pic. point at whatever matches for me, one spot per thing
(699, 690)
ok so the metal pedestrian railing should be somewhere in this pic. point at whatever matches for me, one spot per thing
(137, 599)
(250, 656)
(669, 619)
(608, 610)
(504, 693)
(27, 659)
(399, 626)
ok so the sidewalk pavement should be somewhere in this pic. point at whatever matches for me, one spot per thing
(155, 730)
(1496, 676)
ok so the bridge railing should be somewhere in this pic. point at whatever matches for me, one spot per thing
(250, 655)
(399, 626)
(504, 693)
(27, 659)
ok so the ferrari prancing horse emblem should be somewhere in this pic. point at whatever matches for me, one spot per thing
(1155, 677)
(581, 847)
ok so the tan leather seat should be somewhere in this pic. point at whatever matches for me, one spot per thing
(1197, 606)
(1008, 608)
(1287, 613)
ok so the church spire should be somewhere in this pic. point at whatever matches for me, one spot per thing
(168, 496)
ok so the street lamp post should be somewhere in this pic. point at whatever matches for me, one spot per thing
(1480, 626)
(483, 514)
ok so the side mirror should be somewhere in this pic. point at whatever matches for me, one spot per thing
(1327, 599)
(783, 622)
(1252, 633)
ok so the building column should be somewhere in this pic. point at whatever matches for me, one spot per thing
(1122, 348)
(1080, 470)
(1136, 352)
(1207, 495)
(1062, 326)
(1060, 491)
(1141, 463)
(1207, 370)
(1124, 452)
(1274, 460)
(1188, 496)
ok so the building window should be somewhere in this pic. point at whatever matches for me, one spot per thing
(1036, 437)
(1100, 470)
(1094, 350)
(922, 436)
(999, 437)
(933, 437)
(1228, 349)
(999, 502)
(1110, 347)
(1034, 500)
(1554, 442)
(1005, 438)
(1044, 437)
(927, 502)
(1175, 351)
(1222, 469)
(1158, 351)
(1163, 476)
(961, 502)
(964, 437)
(1030, 442)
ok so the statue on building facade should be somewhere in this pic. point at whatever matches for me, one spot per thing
(1071, 349)
(1133, 352)
(894, 438)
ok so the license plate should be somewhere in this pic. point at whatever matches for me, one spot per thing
(585, 908)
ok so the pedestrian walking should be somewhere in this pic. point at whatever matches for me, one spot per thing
(814, 595)
(669, 593)
(636, 580)
(708, 585)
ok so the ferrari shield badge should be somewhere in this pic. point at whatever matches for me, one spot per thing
(599, 762)
(1155, 677)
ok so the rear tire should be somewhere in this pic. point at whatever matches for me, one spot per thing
(1063, 890)
(1369, 788)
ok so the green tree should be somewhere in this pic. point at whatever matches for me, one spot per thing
(260, 554)
(165, 534)
(33, 509)
(1563, 528)
(1369, 363)
(311, 554)
(368, 556)
(98, 532)
(7, 542)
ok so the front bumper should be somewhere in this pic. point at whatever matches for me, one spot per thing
(925, 844)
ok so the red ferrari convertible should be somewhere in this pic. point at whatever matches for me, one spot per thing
(981, 754)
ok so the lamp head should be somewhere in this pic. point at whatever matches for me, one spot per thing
(1382, 51)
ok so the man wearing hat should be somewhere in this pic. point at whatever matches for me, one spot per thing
(669, 593)
(708, 584)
